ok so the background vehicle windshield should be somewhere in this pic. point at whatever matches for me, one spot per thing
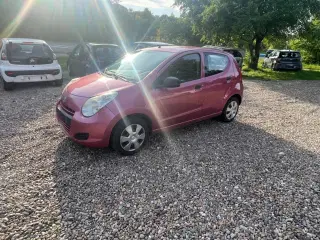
(29, 53)
(137, 66)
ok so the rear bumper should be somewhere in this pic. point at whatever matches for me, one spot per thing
(288, 66)
(92, 132)
(32, 78)
(35, 73)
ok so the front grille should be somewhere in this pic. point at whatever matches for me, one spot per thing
(64, 119)
(67, 109)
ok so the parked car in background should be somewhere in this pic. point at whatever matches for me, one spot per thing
(151, 90)
(235, 52)
(283, 60)
(27, 60)
(91, 57)
(142, 45)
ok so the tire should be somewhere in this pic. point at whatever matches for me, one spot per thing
(128, 143)
(6, 85)
(230, 110)
(70, 72)
(58, 82)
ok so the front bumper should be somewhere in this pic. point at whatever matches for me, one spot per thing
(92, 132)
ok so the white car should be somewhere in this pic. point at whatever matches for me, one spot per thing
(27, 60)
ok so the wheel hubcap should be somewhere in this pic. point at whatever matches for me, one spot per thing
(132, 137)
(232, 110)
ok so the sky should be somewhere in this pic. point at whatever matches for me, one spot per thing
(157, 7)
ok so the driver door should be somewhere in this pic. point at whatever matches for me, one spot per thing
(181, 104)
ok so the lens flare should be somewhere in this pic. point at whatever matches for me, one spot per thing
(12, 27)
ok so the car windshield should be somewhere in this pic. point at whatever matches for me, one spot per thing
(135, 67)
(29, 53)
(289, 55)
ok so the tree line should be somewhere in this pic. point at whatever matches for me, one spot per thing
(249, 24)
(90, 20)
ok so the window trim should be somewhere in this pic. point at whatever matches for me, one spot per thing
(213, 53)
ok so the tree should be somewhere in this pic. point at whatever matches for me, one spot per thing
(308, 42)
(250, 21)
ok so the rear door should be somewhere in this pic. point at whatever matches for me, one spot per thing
(73, 59)
(219, 76)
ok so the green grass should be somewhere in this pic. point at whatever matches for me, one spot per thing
(63, 62)
(310, 72)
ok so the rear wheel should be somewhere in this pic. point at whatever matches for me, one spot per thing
(7, 86)
(230, 110)
(130, 135)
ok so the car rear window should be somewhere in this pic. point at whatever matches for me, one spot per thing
(289, 55)
(29, 53)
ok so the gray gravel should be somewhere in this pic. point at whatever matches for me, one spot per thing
(256, 178)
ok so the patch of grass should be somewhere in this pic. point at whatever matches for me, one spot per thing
(314, 67)
(269, 74)
(63, 62)
(310, 72)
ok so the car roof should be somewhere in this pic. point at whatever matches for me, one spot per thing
(102, 44)
(287, 50)
(180, 49)
(21, 40)
(221, 48)
(155, 43)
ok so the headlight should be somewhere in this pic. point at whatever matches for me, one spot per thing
(94, 104)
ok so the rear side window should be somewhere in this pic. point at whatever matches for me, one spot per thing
(289, 55)
(215, 63)
(186, 68)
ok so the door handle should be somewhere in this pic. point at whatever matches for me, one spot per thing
(197, 87)
(229, 78)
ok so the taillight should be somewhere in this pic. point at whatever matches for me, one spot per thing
(10, 74)
(55, 72)
(3, 56)
(54, 57)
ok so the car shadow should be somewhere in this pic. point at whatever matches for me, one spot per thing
(304, 90)
(219, 175)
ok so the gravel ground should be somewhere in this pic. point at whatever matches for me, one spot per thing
(256, 178)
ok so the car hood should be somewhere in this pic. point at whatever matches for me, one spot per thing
(95, 84)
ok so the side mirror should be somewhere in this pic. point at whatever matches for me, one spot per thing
(171, 82)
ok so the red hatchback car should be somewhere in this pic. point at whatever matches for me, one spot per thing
(151, 90)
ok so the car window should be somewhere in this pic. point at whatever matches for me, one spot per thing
(104, 53)
(135, 67)
(215, 63)
(289, 55)
(186, 68)
(76, 52)
(29, 53)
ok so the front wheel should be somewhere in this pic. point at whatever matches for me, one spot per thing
(230, 110)
(130, 135)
